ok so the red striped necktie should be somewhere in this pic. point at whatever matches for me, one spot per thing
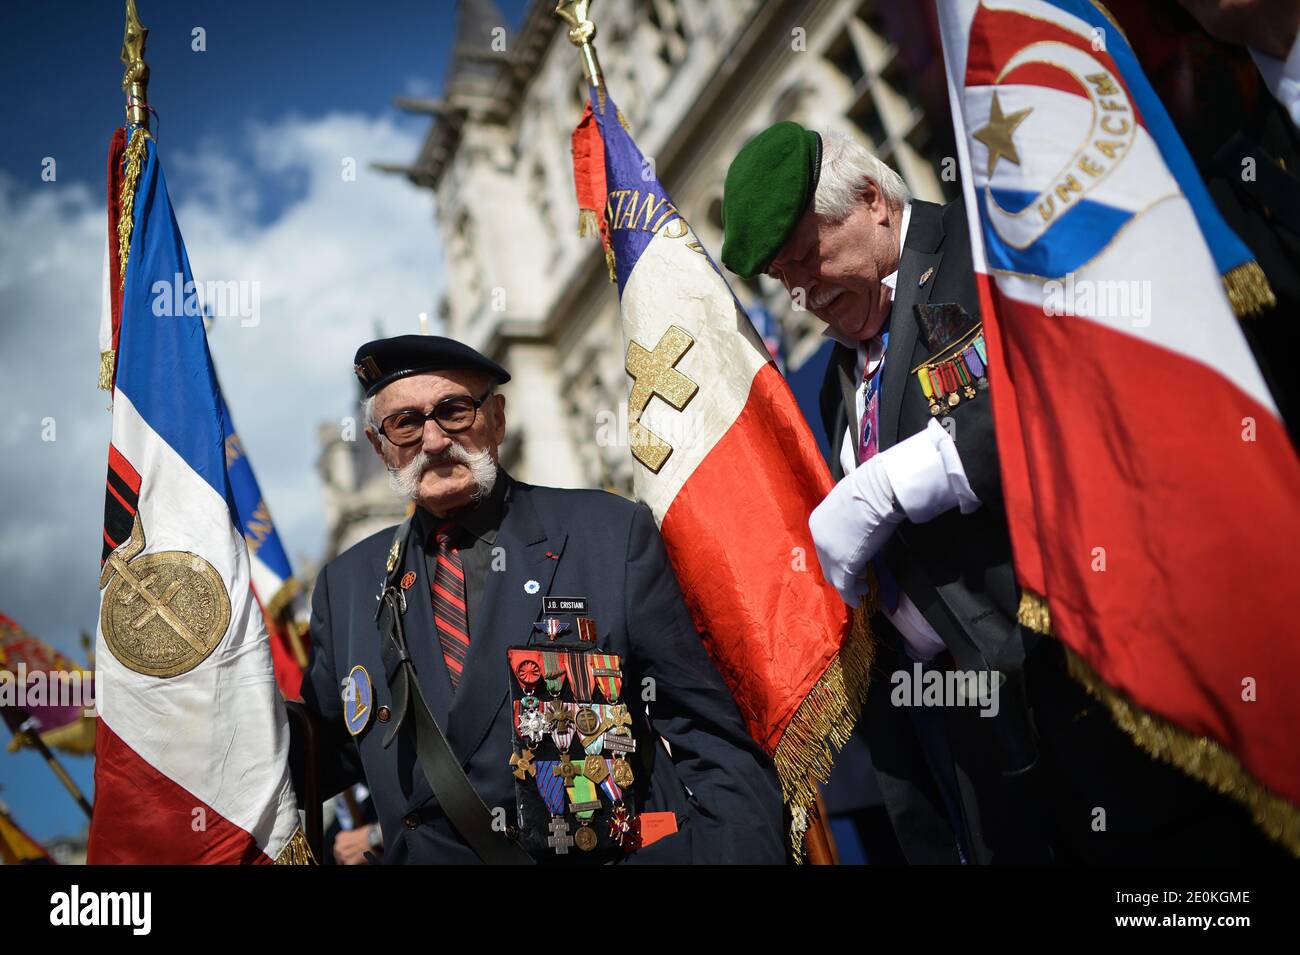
(449, 602)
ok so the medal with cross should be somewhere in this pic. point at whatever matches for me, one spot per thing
(560, 840)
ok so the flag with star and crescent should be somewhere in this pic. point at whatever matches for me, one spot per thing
(1149, 482)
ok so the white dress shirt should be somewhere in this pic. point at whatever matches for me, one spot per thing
(924, 471)
(1283, 78)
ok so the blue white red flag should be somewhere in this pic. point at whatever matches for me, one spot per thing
(728, 466)
(192, 752)
(1150, 485)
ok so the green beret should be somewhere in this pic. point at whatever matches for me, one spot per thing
(769, 187)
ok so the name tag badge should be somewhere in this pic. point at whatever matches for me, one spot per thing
(552, 605)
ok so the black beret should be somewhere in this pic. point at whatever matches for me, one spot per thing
(383, 361)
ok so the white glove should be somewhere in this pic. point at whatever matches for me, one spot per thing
(917, 479)
(851, 525)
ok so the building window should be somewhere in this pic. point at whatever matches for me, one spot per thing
(876, 57)
(666, 19)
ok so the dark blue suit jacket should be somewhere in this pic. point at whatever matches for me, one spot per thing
(719, 783)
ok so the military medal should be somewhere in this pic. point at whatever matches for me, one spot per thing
(610, 787)
(550, 786)
(560, 840)
(963, 373)
(584, 801)
(553, 672)
(620, 824)
(620, 719)
(565, 769)
(529, 673)
(587, 721)
(585, 837)
(595, 769)
(580, 676)
(532, 725)
(521, 764)
(923, 376)
(622, 771)
(551, 626)
(607, 674)
(972, 359)
(586, 629)
(559, 716)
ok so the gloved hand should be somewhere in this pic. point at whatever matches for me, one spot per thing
(852, 524)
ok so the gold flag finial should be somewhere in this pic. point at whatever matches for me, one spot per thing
(135, 81)
(582, 31)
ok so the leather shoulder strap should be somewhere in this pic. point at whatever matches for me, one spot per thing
(451, 787)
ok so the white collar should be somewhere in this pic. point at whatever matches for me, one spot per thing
(889, 281)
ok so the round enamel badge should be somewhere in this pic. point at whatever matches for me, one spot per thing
(358, 698)
(531, 587)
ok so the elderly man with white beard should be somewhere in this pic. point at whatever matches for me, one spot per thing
(503, 668)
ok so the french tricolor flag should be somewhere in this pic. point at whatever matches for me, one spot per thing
(727, 464)
(1150, 485)
(191, 759)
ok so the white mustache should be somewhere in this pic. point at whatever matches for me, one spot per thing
(824, 297)
(405, 480)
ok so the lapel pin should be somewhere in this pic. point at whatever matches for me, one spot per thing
(531, 587)
(925, 276)
(408, 578)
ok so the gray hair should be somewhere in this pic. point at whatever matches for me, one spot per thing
(845, 165)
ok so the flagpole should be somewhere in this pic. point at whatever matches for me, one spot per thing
(135, 80)
(26, 733)
(582, 33)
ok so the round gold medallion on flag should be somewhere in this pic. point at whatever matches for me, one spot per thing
(163, 614)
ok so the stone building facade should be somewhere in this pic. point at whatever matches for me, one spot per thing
(695, 80)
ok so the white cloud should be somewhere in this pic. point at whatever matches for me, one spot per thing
(339, 256)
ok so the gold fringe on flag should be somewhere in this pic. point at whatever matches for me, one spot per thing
(822, 724)
(107, 362)
(134, 160)
(588, 224)
(296, 851)
(279, 602)
(609, 264)
(1248, 290)
(1198, 756)
(1033, 612)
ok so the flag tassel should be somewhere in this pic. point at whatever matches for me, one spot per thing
(822, 724)
(296, 851)
(1198, 756)
(1248, 290)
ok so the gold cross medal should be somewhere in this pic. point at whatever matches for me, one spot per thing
(521, 764)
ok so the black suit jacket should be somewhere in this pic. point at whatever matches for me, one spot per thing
(573, 543)
(956, 569)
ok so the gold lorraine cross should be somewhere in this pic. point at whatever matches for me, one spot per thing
(653, 373)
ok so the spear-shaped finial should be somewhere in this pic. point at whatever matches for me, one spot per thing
(135, 81)
(581, 34)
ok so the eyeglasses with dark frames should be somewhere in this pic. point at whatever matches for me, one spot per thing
(453, 415)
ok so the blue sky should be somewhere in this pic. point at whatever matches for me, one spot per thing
(251, 133)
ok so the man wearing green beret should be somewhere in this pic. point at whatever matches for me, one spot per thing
(1016, 771)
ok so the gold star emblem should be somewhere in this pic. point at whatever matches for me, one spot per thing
(997, 134)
